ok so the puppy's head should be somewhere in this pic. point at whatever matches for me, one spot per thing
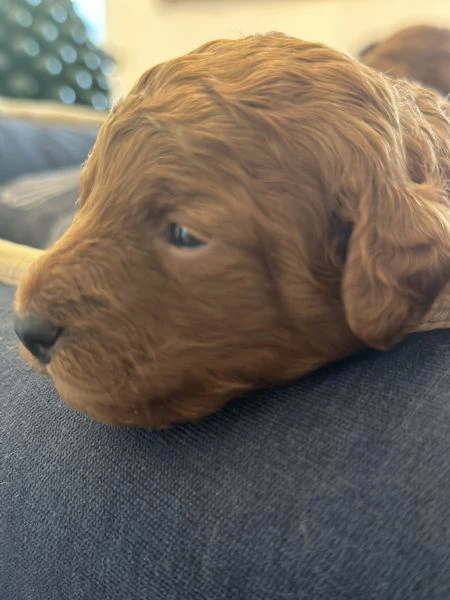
(250, 212)
(420, 53)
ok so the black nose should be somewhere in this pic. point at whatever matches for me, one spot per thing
(38, 335)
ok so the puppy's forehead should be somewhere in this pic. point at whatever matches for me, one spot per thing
(217, 77)
(222, 118)
(150, 160)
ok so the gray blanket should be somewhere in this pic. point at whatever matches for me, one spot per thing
(333, 488)
(36, 209)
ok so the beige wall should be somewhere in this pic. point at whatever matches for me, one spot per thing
(145, 32)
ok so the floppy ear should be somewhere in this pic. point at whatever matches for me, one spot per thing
(398, 260)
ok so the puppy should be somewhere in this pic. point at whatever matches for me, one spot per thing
(250, 212)
(420, 53)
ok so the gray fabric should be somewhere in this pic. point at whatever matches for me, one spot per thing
(35, 210)
(43, 159)
(32, 147)
(336, 487)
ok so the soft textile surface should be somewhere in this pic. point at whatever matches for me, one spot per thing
(33, 146)
(336, 487)
(36, 209)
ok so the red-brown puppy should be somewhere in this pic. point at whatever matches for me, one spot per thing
(250, 212)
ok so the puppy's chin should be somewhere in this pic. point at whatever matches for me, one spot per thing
(33, 362)
(120, 411)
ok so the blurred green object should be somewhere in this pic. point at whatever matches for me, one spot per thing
(45, 53)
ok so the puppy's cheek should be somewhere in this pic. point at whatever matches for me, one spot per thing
(98, 392)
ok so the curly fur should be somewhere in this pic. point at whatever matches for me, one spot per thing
(321, 188)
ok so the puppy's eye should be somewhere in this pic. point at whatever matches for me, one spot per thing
(181, 237)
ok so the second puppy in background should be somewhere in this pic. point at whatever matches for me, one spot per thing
(420, 53)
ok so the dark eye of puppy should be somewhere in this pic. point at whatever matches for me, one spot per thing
(181, 237)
